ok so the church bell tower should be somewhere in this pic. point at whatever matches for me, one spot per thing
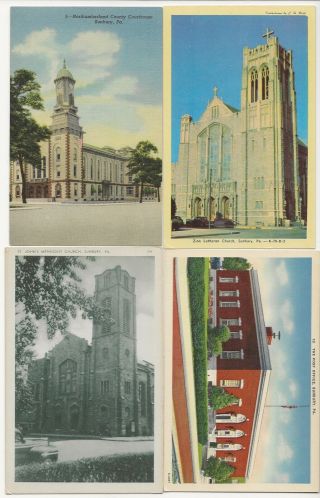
(268, 105)
(113, 383)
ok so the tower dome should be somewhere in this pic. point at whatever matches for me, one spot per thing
(64, 73)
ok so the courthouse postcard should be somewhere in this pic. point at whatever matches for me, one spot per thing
(86, 126)
(239, 92)
(84, 377)
(242, 371)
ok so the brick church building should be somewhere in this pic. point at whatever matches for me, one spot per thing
(98, 388)
(243, 369)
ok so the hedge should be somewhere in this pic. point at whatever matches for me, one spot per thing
(198, 279)
(120, 468)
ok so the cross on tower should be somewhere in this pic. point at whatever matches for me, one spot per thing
(268, 34)
(215, 91)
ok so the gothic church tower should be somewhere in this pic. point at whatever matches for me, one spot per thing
(268, 108)
(113, 370)
(65, 146)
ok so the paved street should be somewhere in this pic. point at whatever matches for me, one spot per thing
(75, 449)
(86, 224)
(242, 233)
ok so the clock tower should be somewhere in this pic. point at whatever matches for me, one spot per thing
(65, 160)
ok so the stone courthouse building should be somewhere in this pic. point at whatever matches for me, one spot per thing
(99, 388)
(245, 163)
(72, 170)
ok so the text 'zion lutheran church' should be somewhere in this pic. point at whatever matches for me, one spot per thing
(99, 388)
(246, 164)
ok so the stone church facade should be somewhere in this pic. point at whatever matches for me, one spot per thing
(244, 163)
(97, 389)
(72, 170)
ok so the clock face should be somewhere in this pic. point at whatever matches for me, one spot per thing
(59, 85)
(70, 85)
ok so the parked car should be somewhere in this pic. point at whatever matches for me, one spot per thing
(29, 450)
(200, 222)
(176, 223)
(223, 223)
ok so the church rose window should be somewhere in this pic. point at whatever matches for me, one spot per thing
(254, 85)
(265, 83)
(68, 377)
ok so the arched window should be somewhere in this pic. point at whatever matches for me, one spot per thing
(58, 154)
(68, 377)
(98, 170)
(265, 83)
(85, 166)
(142, 398)
(75, 189)
(75, 154)
(254, 85)
(91, 169)
(17, 191)
(58, 190)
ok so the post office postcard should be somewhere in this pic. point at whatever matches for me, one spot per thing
(242, 371)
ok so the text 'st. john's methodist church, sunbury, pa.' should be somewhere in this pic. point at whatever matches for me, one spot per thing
(247, 164)
(99, 388)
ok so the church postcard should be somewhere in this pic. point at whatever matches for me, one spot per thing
(84, 371)
(242, 371)
(86, 125)
(239, 129)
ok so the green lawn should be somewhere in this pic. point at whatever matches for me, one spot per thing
(198, 280)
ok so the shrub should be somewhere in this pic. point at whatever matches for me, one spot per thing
(218, 469)
(219, 398)
(198, 279)
(120, 468)
(216, 336)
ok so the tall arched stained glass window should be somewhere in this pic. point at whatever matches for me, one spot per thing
(226, 154)
(68, 377)
(202, 153)
(254, 85)
(214, 150)
(265, 83)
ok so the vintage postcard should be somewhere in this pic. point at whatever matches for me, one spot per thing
(239, 86)
(86, 125)
(242, 370)
(84, 374)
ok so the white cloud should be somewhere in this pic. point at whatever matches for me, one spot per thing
(285, 416)
(95, 48)
(286, 314)
(293, 388)
(284, 451)
(282, 273)
(282, 477)
(42, 42)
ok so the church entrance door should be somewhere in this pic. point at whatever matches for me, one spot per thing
(225, 207)
(211, 209)
(197, 207)
(74, 417)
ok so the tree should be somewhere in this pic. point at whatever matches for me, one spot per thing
(218, 469)
(173, 207)
(219, 398)
(236, 264)
(25, 132)
(144, 167)
(47, 290)
(216, 336)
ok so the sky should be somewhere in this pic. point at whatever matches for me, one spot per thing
(140, 267)
(207, 52)
(284, 443)
(117, 67)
